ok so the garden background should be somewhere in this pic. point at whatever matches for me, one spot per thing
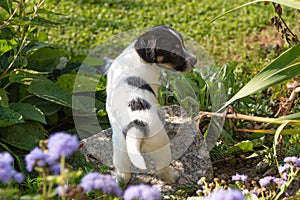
(43, 44)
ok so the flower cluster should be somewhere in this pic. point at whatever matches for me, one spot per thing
(7, 172)
(222, 194)
(59, 144)
(50, 158)
(290, 164)
(238, 177)
(105, 183)
(216, 190)
(265, 181)
(142, 192)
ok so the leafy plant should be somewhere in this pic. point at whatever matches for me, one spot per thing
(34, 98)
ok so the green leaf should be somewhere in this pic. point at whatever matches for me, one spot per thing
(45, 11)
(24, 136)
(66, 81)
(3, 98)
(276, 72)
(276, 138)
(29, 111)
(9, 117)
(250, 196)
(290, 3)
(45, 59)
(6, 45)
(37, 21)
(25, 76)
(295, 116)
(6, 5)
(47, 107)
(50, 91)
(242, 146)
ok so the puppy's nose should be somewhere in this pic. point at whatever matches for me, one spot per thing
(192, 60)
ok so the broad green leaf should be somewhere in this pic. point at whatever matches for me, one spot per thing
(29, 111)
(277, 71)
(9, 117)
(45, 59)
(6, 45)
(3, 98)
(23, 136)
(66, 81)
(25, 76)
(250, 196)
(50, 91)
(242, 146)
(47, 107)
(290, 3)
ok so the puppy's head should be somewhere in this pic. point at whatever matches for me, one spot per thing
(164, 46)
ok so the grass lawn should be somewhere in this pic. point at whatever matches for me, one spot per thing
(241, 44)
(244, 36)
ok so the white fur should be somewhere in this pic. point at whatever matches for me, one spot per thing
(119, 93)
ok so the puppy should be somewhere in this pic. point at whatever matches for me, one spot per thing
(132, 106)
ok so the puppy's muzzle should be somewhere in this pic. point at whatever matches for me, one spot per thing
(191, 61)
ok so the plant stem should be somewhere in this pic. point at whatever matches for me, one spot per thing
(11, 16)
(245, 117)
(63, 176)
(45, 194)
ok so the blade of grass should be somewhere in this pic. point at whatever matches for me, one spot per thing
(289, 3)
(276, 138)
(295, 116)
(277, 71)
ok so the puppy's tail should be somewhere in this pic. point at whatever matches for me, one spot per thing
(134, 152)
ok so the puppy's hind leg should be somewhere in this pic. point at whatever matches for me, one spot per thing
(122, 165)
(162, 159)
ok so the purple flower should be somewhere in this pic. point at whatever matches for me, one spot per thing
(292, 159)
(297, 164)
(60, 189)
(266, 181)
(283, 168)
(105, 183)
(35, 157)
(278, 181)
(254, 192)
(142, 192)
(7, 172)
(238, 177)
(284, 176)
(62, 144)
(229, 194)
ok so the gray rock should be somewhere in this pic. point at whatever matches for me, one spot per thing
(189, 151)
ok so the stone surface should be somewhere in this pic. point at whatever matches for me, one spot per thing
(190, 156)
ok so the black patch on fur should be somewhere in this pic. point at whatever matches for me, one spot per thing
(160, 41)
(139, 104)
(138, 124)
(139, 83)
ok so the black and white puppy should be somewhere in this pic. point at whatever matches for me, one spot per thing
(132, 106)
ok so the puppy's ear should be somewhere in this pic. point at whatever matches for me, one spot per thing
(146, 47)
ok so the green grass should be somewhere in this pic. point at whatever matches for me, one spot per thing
(235, 37)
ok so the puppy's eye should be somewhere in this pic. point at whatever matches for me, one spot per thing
(175, 53)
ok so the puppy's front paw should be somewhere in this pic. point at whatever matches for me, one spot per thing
(168, 175)
(122, 177)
